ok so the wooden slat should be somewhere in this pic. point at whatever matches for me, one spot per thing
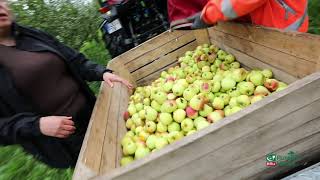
(285, 62)
(109, 154)
(159, 52)
(253, 63)
(124, 99)
(195, 146)
(255, 146)
(148, 79)
(297, 44)
(202, 36)
(150, 45)
(163, 61)
(90, 156)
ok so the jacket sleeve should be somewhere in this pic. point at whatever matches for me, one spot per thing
(88, 70)
(19, 127)
(223, 10)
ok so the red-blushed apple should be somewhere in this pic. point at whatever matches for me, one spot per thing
(126, 115)
(204, 57)
(261, 90)
(215, 116)
(181, 103)
(246, 88)
(271, 84)
(191, 113)
(126, 160)
(205, 87)
(161, 127)
(187, 125)
(150, 126)
(243, 101)
(267, 73)
(179, 115)
(256, 98)
(174, 126)
(151, 141)
(224, 66)
(197, 102)
(218, 103)
(141, 152)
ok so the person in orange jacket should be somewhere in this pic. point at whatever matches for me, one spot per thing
(291, 15)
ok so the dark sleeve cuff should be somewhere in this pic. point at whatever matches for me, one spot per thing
(35, 128)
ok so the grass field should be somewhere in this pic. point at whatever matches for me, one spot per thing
(17, 165)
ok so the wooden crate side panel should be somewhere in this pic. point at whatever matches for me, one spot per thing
(89, 159)
(139, 64)
(195, 146)
(150, 45)
(202, 36)
(249, 62)
(254, 146)
(293, 65)
(301, 45)
(118, 67)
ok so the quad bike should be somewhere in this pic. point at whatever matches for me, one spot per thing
(128, 23)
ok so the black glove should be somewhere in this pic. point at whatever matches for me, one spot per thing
(197, 22)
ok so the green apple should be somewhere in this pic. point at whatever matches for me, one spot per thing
(229, 58)
(227, 111)
(150, 126)
(243, 101)
(227, 84)
(181, 103)
(132, 109)
(234, 93)
(174, 126)
(217, 78)
(129, 123)
(165, 118)
(239, 74)
(174, 136)
(129, 134)
(167, 86)
(206, 110)
(161, 127)
(160, 97)
(129, 148)
(189, 93)
(257, 78)
(171, 96)
(169, 106)
(190, 78)
(213, 68)
(138, 130)
(197, 120)
(224, 66)
(233, 102)
(235, 65)
(221, 54)
(126, 160)
(207, 75)
(267, 73)
(155, 105)
(141, 152)
(218, 103)
(210, 96)
(179, 115)
(161, 142)
(202, 124)
(183, 82)
(261, 90)
(142, 114)
(246, 88)
(125, 140)
(235, 109)
(143, 135)
(205, 69)
(225, 97)
(178, 89)
(151, 141)
(187, 125)
(139, 107)
(151, 114)
(191, 132)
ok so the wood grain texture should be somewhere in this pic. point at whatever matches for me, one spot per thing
(137, 64)
(292, 65)
(301, 45)
(227, 133)
(202, 36)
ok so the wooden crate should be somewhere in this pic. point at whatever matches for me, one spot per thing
(234, 148)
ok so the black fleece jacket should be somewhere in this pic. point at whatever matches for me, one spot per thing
(19, 119)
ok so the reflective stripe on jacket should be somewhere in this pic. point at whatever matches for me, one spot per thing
(283, 14)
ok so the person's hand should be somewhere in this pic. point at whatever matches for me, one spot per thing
(197, 22)
(109, 78)
(57, 126)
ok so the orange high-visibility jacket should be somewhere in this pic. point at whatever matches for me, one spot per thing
(282, 14)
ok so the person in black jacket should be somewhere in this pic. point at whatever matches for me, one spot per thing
(45, 103)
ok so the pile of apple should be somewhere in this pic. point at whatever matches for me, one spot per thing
(207, 86)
